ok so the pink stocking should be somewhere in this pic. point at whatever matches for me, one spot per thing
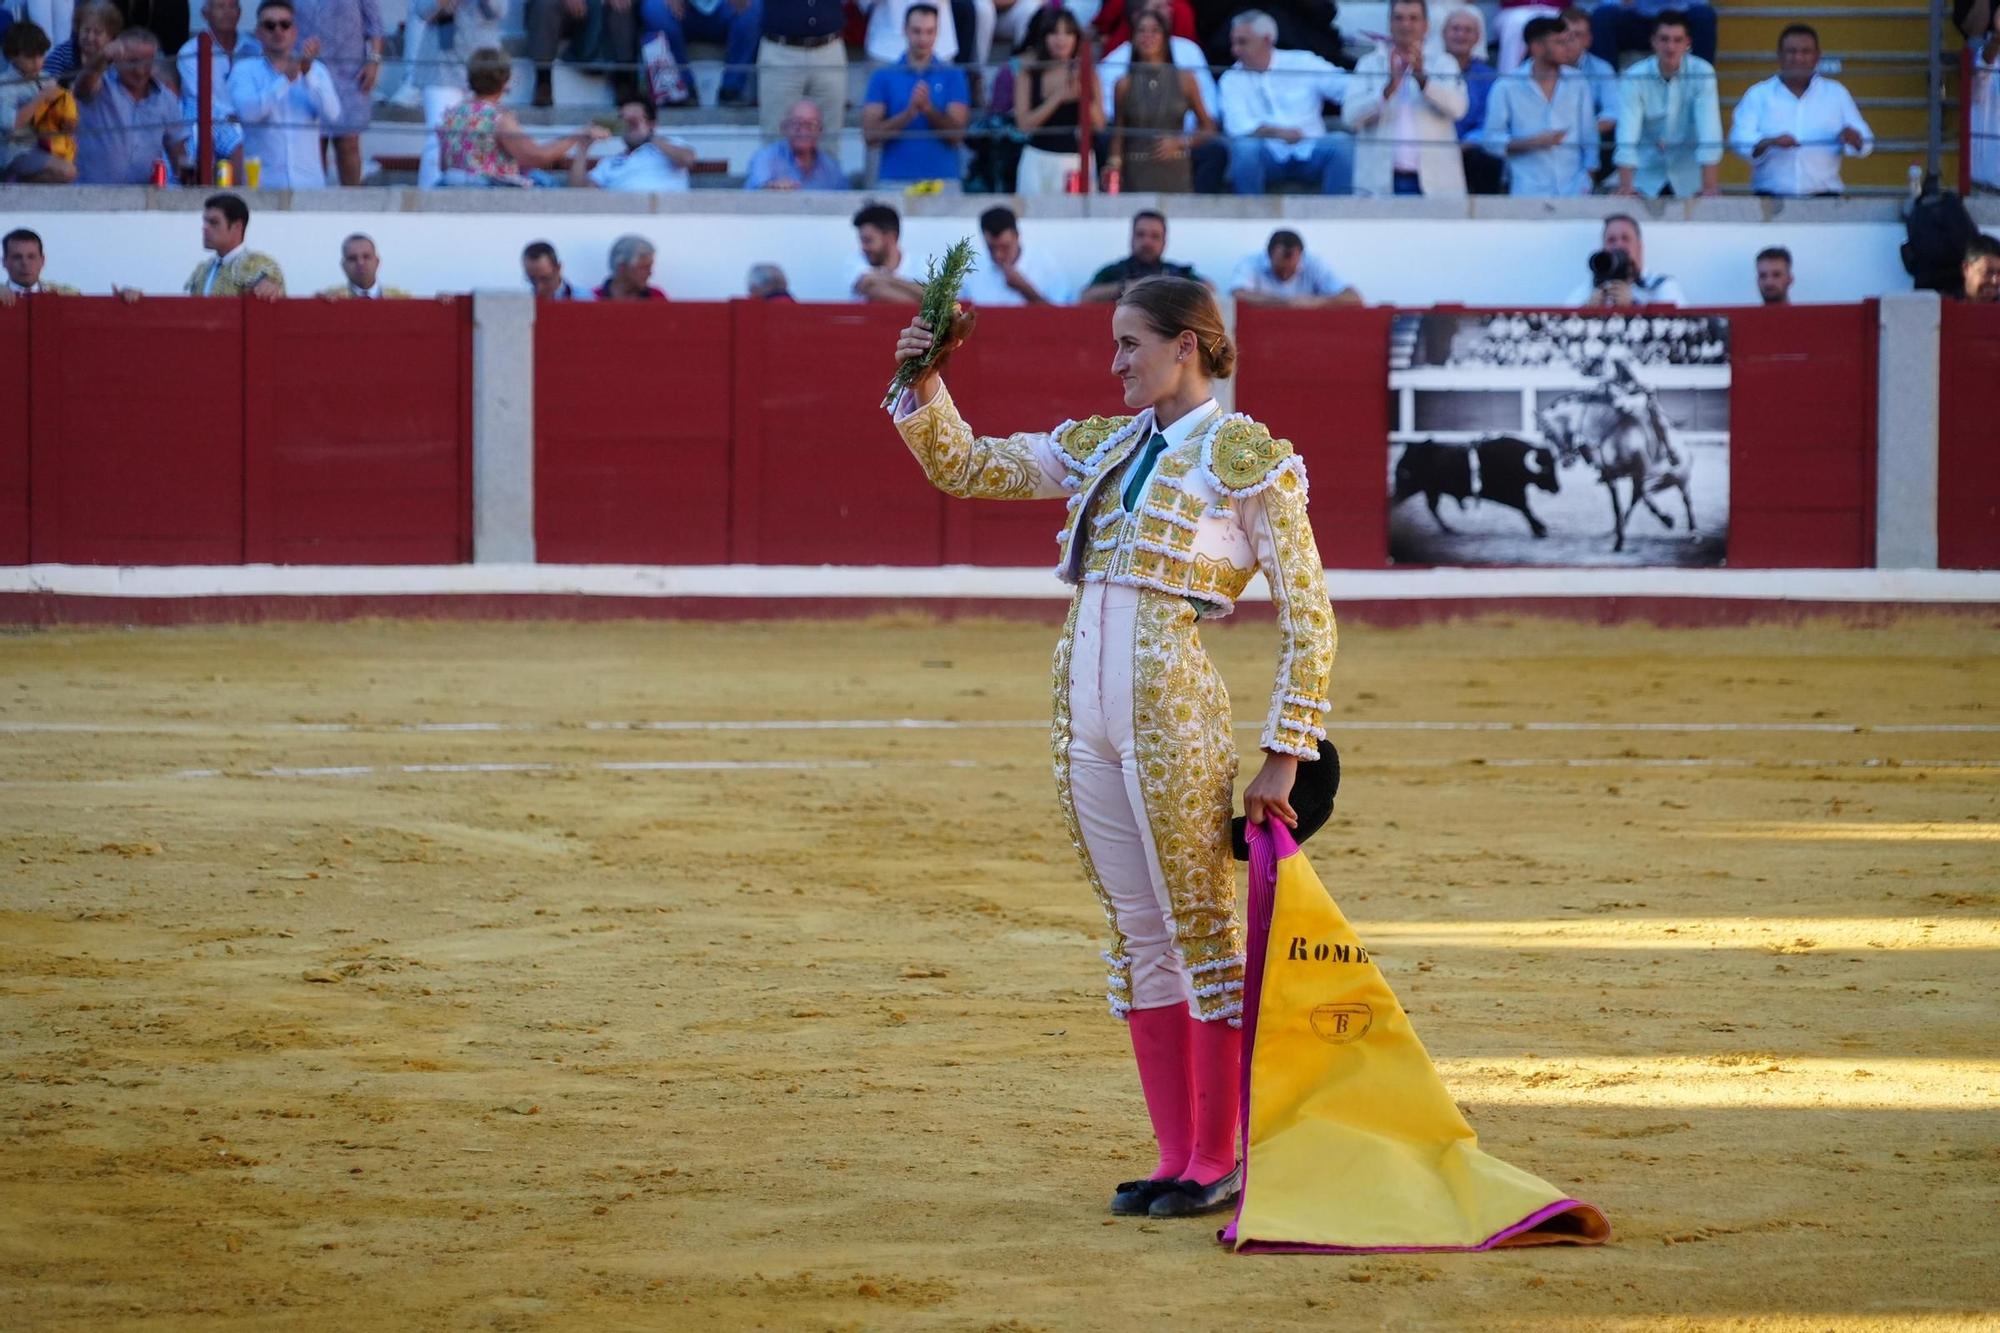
(1215, 1053)
(1159, 1041)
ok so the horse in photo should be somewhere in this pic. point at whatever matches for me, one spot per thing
(1594, 426)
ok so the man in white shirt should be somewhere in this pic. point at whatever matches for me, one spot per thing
(1011, 276)
(1621, 237)
(1795, 126)
(1404, 110)
(284, 101)
(229, 46)
(1286, 275)
(882, 273)
(648, 164)
(361, 266)
(1774, 275)
(1271, 112)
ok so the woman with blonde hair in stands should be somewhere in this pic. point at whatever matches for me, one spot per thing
(97, 26)
(1464, 33)
(481, 142)
(1173, 509)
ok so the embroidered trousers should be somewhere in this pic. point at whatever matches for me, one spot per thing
(1145, 769)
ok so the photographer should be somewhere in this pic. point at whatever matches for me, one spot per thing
(1618, 276)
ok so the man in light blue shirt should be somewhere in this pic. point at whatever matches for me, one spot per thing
(128, 121)
(798, 161)
(1541, 122)
(1669, 119)
(284, 101)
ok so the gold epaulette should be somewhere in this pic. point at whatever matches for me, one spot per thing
(1081, 440)
(1243, 456)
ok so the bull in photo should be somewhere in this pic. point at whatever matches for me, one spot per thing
(1500, 470)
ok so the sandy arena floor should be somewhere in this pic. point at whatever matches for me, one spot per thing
(800, 1027)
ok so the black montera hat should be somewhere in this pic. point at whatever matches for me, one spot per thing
(1312, 799)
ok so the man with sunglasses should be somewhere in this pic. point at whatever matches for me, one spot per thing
(284, 100)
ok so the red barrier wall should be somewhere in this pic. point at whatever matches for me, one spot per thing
(180, 431)
(1802, 427)
(14, 435)
(633, 413)
(1802, 437)
(1968, 438)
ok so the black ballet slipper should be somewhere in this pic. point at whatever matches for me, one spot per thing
(1187, 1198)
(1134, 1197)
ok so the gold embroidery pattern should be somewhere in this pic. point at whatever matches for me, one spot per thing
(1061, 733)
(1309, 637)
(985, 468)
(1187, 775)
(1244, 454)
(1086, 437)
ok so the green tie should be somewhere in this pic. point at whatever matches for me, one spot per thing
(1142, 470)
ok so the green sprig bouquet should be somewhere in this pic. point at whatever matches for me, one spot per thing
(938, 308)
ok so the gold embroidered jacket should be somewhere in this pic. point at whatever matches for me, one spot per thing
(1225, 503)
(236, 277)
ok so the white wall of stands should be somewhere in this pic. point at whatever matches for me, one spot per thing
(1845, 251)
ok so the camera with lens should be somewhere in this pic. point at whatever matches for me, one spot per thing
(1611, 266)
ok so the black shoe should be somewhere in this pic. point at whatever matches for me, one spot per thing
(1134, 1197)
(1184, 1198)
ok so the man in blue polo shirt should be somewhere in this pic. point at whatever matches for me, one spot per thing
(916, 109)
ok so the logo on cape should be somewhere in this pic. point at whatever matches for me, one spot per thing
(1338, 1024)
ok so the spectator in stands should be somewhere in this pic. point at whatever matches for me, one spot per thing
(1621, 237)
(97, 24)
(631, 276)
(1286, 275)
(287, 102)
(1629, 25)
(916, 111)
(1405, 114)
(1050, 108)
(1302, 25)
(21, 251)
(234, 268)
(796, 162)
(362, 265)
(1542, 122)
(734, 23)
(229, 46)
(543, 270)
(128, 122)
(599, 32)
(29, 98)
(1774, 275)
(1986, 109)
(882, 273)
(1184, 54)
(1147, 260)
(1271, 111)
(1161, 120)
(1011, 276)
(1669, 118)
(1465, 43)
(349, 33)
(1795, 125)
(1603, 80)
(480, 142)
(767, 283)
(801, 56)
(461, 27)
(652, 163)
(1982, 269)
(965, 29)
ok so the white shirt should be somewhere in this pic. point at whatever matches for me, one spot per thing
(1650, 289)
(281, 121)
(858, 266)
(219, 263)
(1287, 95)
(885, 42)
(1185, 53)
(222, 62)
(1312, 278)
(19, 290)
(365, 293)
(987, 285)
(1402, 117)
(642, 170)
(1986, 117)
(1768, 110)
(1176, 433)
